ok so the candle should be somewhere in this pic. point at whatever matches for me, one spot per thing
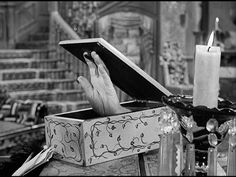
(217, 23)
(206, 76)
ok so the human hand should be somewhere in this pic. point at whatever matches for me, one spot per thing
(100, 91)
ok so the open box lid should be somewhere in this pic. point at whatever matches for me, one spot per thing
(123, 72)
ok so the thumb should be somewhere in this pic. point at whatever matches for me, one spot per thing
(86, 85)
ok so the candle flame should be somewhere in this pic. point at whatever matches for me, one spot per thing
(217, 23)
(211, 39)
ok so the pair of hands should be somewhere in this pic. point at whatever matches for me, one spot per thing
(100, 91)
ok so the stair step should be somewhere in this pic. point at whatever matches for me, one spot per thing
(39, 84)
(39, 36)
(20, 63)
(45, 79)
(45, 29)
(56, 74)
(24, 53)
(15, 63)
(31, 73)
(48, 64)
(18, 74)
(32, 45)
(55, 107)
(41, 53)
(12, 53)
(50, 95)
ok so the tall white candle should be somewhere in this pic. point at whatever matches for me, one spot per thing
(206, 75)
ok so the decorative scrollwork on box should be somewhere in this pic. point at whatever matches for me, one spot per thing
(69, 143)
(121, 143)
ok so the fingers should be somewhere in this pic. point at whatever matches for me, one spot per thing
(87, 87)
(102, 70)
(92, 68)
(98, 60)
(97, 70)
(105, 76)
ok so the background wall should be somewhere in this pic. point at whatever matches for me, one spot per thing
(172, 27)
(221, 10)
(178, 23)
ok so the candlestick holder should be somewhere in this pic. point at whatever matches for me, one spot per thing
(207, 129)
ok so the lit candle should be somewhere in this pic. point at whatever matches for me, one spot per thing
(217, 23)
(206, 76)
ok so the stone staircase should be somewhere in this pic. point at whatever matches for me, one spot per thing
(28, 73)
(38, 40)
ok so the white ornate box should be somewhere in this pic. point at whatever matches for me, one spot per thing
(83, 137)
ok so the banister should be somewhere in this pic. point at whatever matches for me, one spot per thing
(64, 25)
(61, 30)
